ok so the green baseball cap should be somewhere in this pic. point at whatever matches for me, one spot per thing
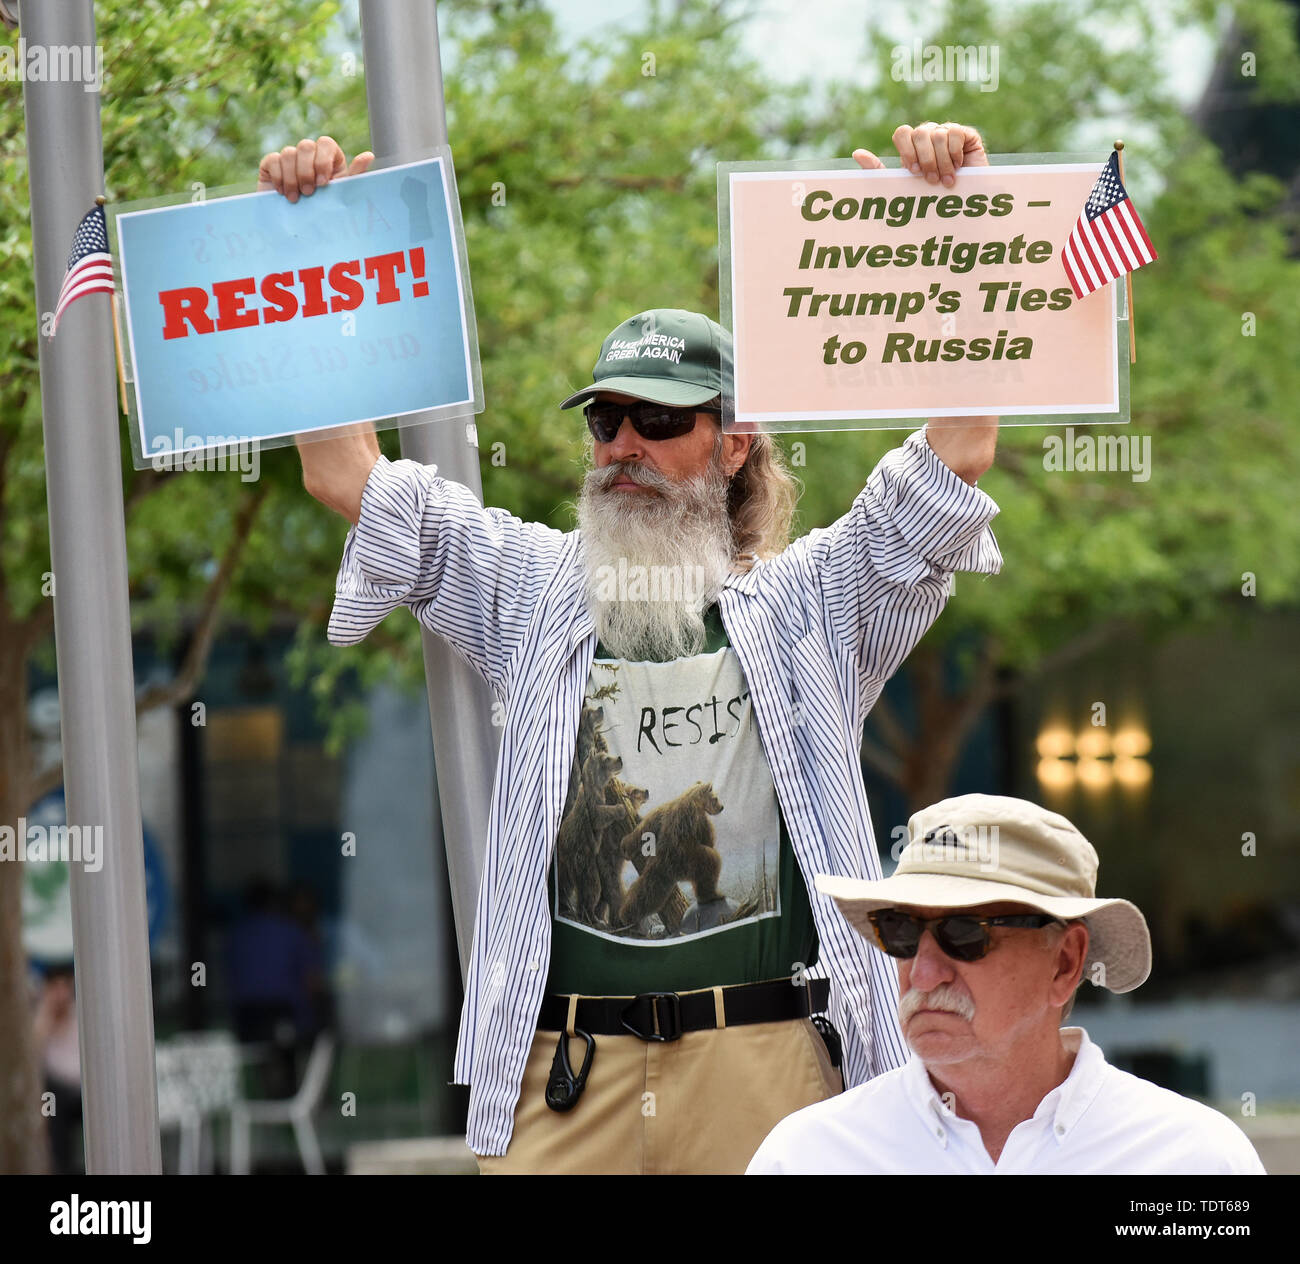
(666, 356)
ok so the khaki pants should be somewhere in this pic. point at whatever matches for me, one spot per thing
(701, 1104)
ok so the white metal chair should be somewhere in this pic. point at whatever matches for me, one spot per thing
(198, 1077)
(296, 1110)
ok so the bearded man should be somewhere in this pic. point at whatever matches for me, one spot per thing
(655, 980)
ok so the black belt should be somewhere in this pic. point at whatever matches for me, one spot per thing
(666, 1015)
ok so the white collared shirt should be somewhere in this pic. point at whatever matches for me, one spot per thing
(1098, 1120)
(818, 630)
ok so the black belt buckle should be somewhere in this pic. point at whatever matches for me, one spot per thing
(563, 1088)
(668, 1020)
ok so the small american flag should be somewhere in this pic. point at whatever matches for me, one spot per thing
(90, 266)
(1108, 239)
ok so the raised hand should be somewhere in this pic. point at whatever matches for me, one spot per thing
(334, 469)
(933, 150)
(938, 151)
(298, 170)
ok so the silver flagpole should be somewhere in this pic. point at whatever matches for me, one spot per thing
(91, 618)
(407, 114)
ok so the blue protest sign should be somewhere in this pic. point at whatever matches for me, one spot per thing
(251, 319)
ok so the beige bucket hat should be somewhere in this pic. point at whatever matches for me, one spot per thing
(984, 849)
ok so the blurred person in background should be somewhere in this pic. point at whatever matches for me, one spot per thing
(274, 969)
(58, 1042)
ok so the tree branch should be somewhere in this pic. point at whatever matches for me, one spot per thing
(882, 761)
(37, 626)
(1062, 656)
(145, 483)
(183, 684)
(673, 184)
(968, 706)
(49, 778)
(890, 727)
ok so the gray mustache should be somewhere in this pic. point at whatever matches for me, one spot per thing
(603, 479)
(944, 997)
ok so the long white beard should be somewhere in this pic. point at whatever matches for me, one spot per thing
(654, 563)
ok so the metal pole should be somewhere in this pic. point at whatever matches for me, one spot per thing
(92, 629)
(407, 114)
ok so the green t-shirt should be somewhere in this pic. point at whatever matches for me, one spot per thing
(672, 867)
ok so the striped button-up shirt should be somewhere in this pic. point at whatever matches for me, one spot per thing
(818, 629)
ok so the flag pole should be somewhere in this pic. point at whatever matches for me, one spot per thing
(1128, 276)
(117, 338)
(408, 114)
(92, 624)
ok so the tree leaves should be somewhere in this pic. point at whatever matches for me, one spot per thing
(588, 189)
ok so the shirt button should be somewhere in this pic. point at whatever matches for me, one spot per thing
(532, 965)
(1060, 1130)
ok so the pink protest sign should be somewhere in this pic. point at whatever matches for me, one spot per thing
(859, 297)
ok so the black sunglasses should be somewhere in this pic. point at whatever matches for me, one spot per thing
(963, 936)
(650, 421)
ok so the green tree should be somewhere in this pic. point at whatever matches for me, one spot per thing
(1091, 557)
(603, 171)
(588, 192)
(188, 91)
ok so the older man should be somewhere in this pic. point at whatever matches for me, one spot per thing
(683, 693)
(993, 918)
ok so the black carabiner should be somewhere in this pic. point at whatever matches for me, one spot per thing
(564, 1088)
(834, 1044)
